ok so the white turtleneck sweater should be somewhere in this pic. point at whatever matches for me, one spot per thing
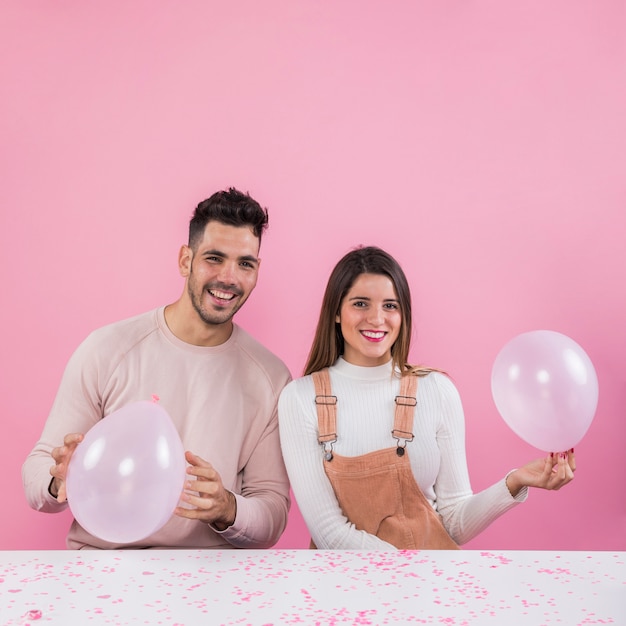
(365, 414)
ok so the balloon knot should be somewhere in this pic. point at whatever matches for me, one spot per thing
(155, 398)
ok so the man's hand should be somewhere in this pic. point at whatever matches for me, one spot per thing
(58, 471)
(210, 501)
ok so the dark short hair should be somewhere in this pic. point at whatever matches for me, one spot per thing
(231, 207)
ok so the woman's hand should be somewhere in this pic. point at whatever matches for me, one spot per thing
(552, 473)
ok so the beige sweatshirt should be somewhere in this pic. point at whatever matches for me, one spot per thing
(222, 400)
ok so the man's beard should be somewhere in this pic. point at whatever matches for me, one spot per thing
(213, 318)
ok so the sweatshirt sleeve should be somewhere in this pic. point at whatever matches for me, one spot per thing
(76, 408)
(263, 504)
(464, 513)
(329, 528)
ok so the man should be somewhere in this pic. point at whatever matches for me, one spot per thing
(217, 383)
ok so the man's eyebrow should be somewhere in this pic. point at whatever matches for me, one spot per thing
(245, 257)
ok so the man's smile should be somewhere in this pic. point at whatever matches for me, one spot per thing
(221, 295)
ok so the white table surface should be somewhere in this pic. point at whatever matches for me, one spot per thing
(188, 587)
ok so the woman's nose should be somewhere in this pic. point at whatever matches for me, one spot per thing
(375, 316)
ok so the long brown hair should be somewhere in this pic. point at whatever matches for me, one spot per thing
(328, 343)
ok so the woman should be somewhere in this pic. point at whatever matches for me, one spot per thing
(375, 447)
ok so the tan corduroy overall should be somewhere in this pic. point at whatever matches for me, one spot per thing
(377, 491)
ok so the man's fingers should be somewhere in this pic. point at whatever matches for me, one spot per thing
(195, 460)
(69, 445)
(61, 457)
(205, 488)
(62, 494)
(200, 468)
(73, 439)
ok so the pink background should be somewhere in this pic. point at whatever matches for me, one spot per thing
(482, 143)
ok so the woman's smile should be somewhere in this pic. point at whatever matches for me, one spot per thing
(370, 320)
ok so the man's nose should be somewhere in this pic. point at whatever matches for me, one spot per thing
(227, 273)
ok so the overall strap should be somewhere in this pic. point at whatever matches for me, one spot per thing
(326, 405)
(406, 402)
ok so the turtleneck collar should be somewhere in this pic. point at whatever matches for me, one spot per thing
(379, 372)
